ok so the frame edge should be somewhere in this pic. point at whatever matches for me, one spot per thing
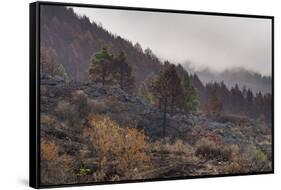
(33, 129)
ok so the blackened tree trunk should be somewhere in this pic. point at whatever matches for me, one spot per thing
(103, 75)
(172, 105)
(164, 118)
(121, 79)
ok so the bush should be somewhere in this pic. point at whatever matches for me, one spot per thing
(239, 164)
(259, 155)
(80, 101)
(212, 151)
(260, 160)
(55, 169)
(65, 110)
(49, 151)
(119, 151)
(68, 113)
(251, 160)
(97, 107)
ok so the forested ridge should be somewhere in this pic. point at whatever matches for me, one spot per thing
(75, 39)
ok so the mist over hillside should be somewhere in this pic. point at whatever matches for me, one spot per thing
(241, 76)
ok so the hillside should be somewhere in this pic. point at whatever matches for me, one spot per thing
(75, 39)
(111, 111)
(195, 145)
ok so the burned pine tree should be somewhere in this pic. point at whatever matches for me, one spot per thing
(123, 72)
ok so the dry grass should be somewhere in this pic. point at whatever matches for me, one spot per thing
(213, 151)
(176, 147)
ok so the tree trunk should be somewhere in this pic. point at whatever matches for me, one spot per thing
(164, 118)
(103, 76)
(172, 106)
(121, 80)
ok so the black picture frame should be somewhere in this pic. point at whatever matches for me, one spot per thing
(34, 90)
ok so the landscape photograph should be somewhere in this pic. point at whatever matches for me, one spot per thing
(135, 95)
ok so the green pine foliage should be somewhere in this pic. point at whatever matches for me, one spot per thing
(166, 88)
(101, 66)
(109, 69)
(190, 95)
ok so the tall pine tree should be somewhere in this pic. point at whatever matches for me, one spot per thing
(101, 67)
(167, 89)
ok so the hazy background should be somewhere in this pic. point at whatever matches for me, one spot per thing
(204, 41)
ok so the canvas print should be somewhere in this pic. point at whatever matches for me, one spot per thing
(144, 95)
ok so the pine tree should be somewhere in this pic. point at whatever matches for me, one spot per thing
(138, 47)
(167, 89)
(123, 73)
(101, 67)
(190, 95)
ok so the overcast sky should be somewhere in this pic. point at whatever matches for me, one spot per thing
(216, 42)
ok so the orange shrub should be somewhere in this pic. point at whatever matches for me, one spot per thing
(55, 169)
(123, 149)
(49, 151)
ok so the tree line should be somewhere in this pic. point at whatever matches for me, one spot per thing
(238, 100)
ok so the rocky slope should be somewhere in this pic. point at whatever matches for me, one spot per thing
(65, 107)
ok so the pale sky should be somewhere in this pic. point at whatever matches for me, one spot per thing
(216, 42)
